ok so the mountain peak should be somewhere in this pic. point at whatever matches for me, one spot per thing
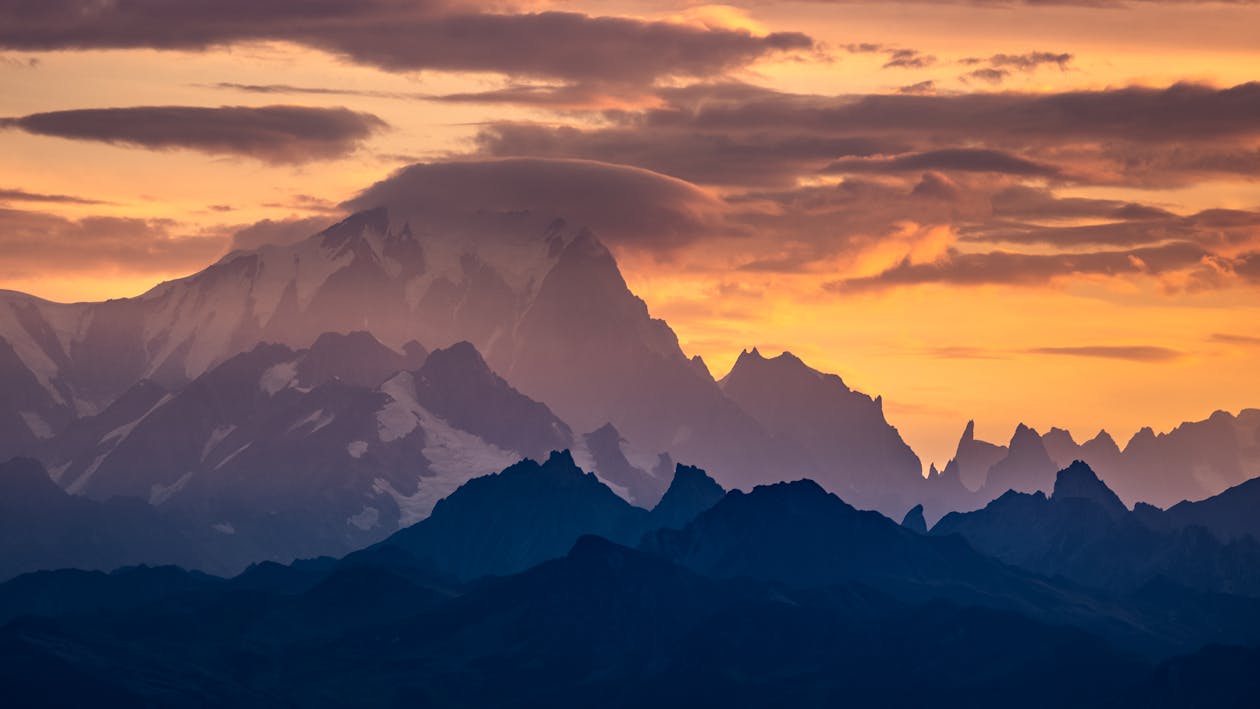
(691, 492)
(914, 520)
(969, 433)
(1079, 481)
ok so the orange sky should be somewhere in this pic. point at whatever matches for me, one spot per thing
(939, 352)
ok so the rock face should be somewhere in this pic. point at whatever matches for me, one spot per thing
(845, 441)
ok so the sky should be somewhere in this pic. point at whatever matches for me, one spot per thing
(1008, 211)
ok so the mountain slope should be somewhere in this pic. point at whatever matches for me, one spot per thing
(848, 445)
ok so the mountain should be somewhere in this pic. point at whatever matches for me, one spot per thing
(1026, 467)
(973, 458)
(528, 513)
(1195, 460)
(691, 493)
(604, 451)
(1084, 533)
(601, 625)
(42, 527)
(1229, 515)
(847, 444)
(296, 453)
(542, 300)
(914, 521)
(506, 522)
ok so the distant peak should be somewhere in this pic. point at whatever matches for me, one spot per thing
(1024, 436)
(1078, 480)
(969, 433)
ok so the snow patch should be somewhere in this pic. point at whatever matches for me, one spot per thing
(356, 449)
(317, 420)
(56, 471)
(81, 482)
(159, 494)
(216, 437)
(234, 453)
(36, 423)
(367, 519)
(278, 377)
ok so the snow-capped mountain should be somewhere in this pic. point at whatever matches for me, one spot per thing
(308, 452)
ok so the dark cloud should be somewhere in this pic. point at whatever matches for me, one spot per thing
(951, 159)
(1132, 353)
(626, 206)
(762, 158)
(1220, 229)
(399, 35)
(1182, 112)
(274, 134)
(1231, 339)
(923, 87)
(733, 134)
(1031, 60)
(909, 59)
(31, 240)
(309, 90)
(1007, 268)
(987, 75)
(15, 195)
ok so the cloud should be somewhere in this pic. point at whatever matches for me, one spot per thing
(1009, 268)
(908, 59)
(16, 195)
(951, 159)
(1131, 353)
(987, 74)
(273, 134)
(278, 231)
(1031, 61)
(736, 134)
(1231, 339)
(707, 157)
(397, 35)
(31, 240)
(922, 87)
(309, 90)
(626, 206)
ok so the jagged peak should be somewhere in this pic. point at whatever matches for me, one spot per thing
(1024, 436)
(969, 433)
(914, 520)
(1078, 480)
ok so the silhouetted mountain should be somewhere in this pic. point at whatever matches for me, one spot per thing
(1230, 515)
(603, 625)
(509, 521)
(849, 446)
(691, 493)
(42, 527)
(1084, 533)
(914, 521)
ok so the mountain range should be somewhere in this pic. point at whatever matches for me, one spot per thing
(785, 594)
(313, 398)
